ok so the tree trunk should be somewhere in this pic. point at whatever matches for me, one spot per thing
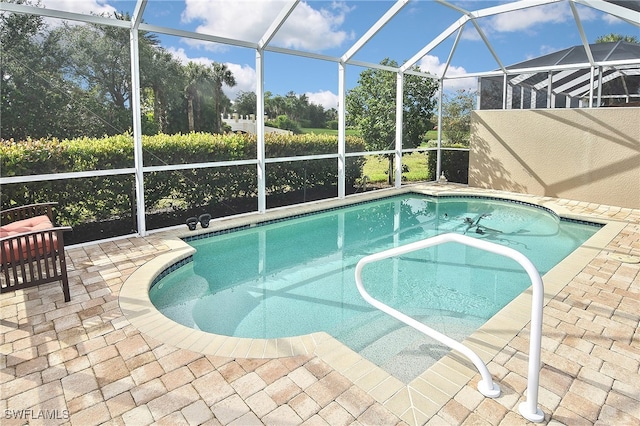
(159, 114)
(190, 113)
(217, 125)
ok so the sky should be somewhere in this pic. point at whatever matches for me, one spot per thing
(331, 28)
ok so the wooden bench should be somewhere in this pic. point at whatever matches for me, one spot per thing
(32, 248)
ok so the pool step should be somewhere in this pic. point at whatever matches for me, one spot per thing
(401, 350)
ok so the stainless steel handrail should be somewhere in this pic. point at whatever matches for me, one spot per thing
(528, 409)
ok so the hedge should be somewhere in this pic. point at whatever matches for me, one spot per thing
(100, 198)
(455, 164)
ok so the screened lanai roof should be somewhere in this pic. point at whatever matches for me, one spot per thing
(463, 31)
(270, 28)
(574, 75)
(577, 55)
(629, 4)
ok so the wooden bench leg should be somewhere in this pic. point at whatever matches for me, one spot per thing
(64, 277)
(65, 288)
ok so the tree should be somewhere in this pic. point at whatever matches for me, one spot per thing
(331, 114)
(221, 75)
(245, 103)
(371, 108)
(456, 116)
(274, 105)
(199, 83)
(617, 37)
(21, 76)
(98, 60)
(285, 123)
(317, 116)
(296, 108)
(38, 99)
(164, 80)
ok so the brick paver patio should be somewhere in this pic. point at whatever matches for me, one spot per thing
(83, 363)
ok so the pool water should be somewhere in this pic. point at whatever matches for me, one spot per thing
(296, 277)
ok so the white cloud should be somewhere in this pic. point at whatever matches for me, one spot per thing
(80, 6)
(306, 28)
(245, 80)
(229, 18)
(325, 98)
(525, 19)
(181, 56)
(533, 17)
(433, 65)
(470, 33)
(314, 30)
(87, 7)
(612, 20)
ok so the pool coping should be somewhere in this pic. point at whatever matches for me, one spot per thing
(414, 402)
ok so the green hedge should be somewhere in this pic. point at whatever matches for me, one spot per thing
(455, 165)
(100, 198)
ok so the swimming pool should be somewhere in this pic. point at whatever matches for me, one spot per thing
(296, 276)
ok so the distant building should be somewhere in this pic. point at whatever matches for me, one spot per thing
(247, 124)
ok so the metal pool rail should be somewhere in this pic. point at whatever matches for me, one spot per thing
(528, 409)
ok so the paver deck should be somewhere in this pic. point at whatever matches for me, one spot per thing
(85, 362)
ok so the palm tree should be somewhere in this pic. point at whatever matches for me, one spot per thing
(163, 78)
(617, 37)
(221, 75)
(198, 79)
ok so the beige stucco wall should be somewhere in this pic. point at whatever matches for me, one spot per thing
(581, 154)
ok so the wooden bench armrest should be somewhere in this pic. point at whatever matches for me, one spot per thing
(39, 231)
(30, 245)
(28, 211)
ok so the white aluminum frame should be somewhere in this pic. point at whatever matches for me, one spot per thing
(529, 409)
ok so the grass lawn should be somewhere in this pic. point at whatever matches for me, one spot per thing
(376, 167)
(431, 135)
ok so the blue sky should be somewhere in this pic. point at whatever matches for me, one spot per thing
(332, 27)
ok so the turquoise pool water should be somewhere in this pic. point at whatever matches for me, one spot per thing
(296, 276)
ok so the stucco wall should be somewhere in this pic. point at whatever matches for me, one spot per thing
(581, 154)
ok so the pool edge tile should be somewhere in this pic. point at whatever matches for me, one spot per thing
(214, 344)
(386, 389)
(372, 378)
(430, 390)
(400, 403)
(271, 348)
(227, 347)
(256, 350)
(243, 345)
(428, 399)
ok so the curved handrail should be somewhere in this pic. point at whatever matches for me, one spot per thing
(529, 409)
